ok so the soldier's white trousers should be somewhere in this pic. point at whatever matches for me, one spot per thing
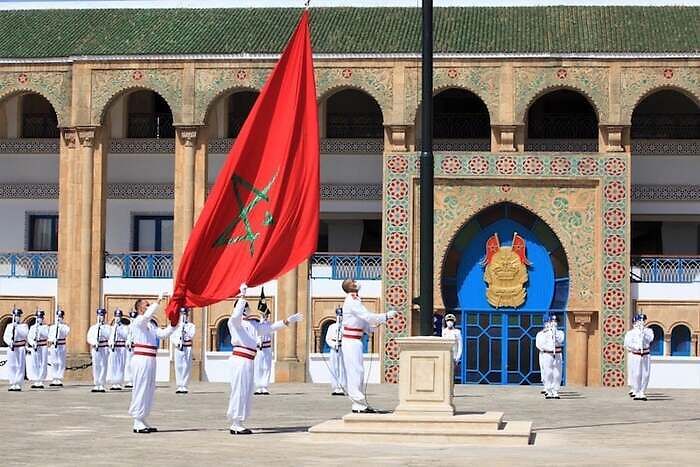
(354, 372)
(550, 371)
(263, 366)
(337, 368)
(117, 364)
(183, 366)
(242, 386)
(143, 376)
(639, 368)
(36, 364)
(57, 360)
(15, 365)
(99, 366)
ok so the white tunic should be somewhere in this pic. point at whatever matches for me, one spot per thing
(117, 353)
(244, 336)
(356, 322)
(98, 338)
(145, 337)
(334, 340)
(638, 343)
(550, 344)
(181, 339)
(456, 335)
(37, 344)
(57, 350)
(16, 339)
(263, 361)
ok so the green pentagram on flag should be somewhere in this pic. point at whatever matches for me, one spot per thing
(244, 210)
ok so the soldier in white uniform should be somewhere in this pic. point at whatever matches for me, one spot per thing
(244, 335)
(638, 342)
(356, 322)
(334, 340)
(98, 338)
(129, 351)
(451, 332)
(16, 339)
(181, 339)
(263, 359)
(117, 352)
(58, 332)
(550, 342)
(37, 351)
(145, 335)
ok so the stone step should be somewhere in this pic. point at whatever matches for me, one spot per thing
(512, 433)
(443, 423)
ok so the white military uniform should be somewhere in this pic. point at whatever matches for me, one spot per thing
(263, 363)
(334, 340)
(244, 337)
(16, 338)
(129, 355)
(356, 321)
(117, 354)
(98, 338)
(58, 333)
(145, 335)
(181, 339)
(37, 344)
(550, 343)
(638, 341)
(456, 335)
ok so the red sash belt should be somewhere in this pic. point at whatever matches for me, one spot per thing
(266, 345)
(245, 352)
(41, 343)
(642, 353)
(145, 350)
(61, 342)
(353, 333)
(20, 343)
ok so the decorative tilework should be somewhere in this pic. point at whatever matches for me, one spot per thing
(29, 146)
(53, 85)
(377, 82)
(666, 192)
(212, 83)
(586, 187)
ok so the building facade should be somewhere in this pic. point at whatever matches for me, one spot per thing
(584, 143)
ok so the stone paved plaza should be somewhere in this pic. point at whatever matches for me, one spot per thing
(588, 426)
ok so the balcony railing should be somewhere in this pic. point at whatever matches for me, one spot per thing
(666, 147)
(561, 145)
(30, 264)
(341, 267)
(666, 269)
(139, 265)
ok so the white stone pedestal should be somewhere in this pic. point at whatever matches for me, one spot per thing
(426, 375)
(425, 413)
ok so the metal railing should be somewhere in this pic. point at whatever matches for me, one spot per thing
(666, 269)
(561, 145)
(665, 147)
(344, 266)
(139, 265)
(29, 264)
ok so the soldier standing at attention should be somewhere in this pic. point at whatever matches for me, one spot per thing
(16, 339)
(37, 347)
(58, 332)
(98, 338)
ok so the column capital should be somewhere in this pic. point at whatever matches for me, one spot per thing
(188, 134)
(69, 137)
(614, 137)
(86, 136)
(582, 319)
(397, 136)
(505, 137)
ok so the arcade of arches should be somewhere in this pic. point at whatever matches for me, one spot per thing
(527, 133)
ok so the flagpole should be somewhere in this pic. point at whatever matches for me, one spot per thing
(426, 174)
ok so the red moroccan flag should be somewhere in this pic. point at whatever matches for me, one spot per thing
(261, 218)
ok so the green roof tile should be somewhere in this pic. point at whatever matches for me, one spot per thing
(611, 29)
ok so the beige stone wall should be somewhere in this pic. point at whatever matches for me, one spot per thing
(670, 313)
(323, 311)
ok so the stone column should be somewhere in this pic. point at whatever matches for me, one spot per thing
(184, 185)
(667, 345)
(288, 368)
(694, 351)
(86, 137)
(577, 349)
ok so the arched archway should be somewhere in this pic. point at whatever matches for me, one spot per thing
(4, 322)
(148, 116)
(223, 337)
(499, 340)
(562, 120)
(353, 113)
(666, 114)
(680, 341)
(657, 345)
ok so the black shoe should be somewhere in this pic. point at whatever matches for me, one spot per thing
(94, 390)
(14, 390)
(142, 431)
(184, 391)
(557, 397)
(543, 392)
(53, 385)
(114, 389)
(245, 431)
(640, 398)
(549, 397)
(367, 410)
(178, 392)
(257, 393)
(152, 429)
(128, 386)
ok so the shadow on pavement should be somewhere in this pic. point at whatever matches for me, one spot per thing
(640, 422)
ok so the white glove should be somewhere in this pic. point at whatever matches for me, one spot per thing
(244, 289)
(295, 318)
(391, 313)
